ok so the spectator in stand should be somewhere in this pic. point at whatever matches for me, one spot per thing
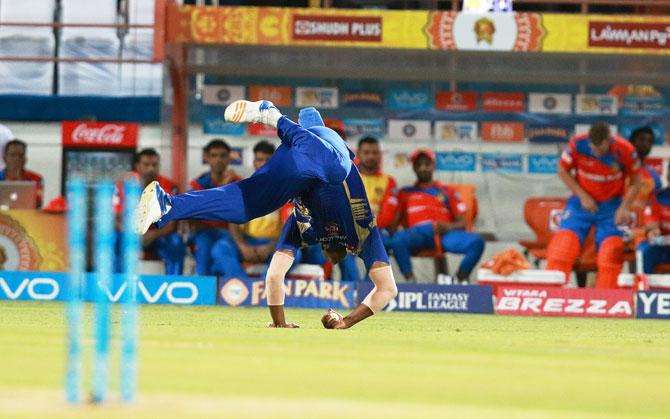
(253, 242)
(206, 233)
(432, 215)
(595, 167)
(380, 187)
(14, 156)
(5, 136)
(656, 224)
(643, 139)
(165, 242)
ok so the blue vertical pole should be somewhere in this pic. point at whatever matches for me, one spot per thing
(76, 204)
(104, 252)
(130, 251)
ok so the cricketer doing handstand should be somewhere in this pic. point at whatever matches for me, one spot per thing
(313, 167)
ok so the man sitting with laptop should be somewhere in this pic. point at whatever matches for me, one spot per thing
(15, 170)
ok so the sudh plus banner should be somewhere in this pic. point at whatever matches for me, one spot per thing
(569, 302)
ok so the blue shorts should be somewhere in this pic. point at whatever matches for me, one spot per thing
(580, 221)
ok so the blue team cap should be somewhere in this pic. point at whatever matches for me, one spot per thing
(310, 117)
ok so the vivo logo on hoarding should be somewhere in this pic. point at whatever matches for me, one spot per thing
(178, 292)
(542, 163)
(44, 289)
(456, 161)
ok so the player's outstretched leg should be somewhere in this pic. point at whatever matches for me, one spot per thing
(262, 111)
(384, 291)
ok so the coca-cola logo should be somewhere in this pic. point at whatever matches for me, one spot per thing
(105, 134)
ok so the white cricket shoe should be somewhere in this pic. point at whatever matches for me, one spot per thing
(262, 111)
(154, 204)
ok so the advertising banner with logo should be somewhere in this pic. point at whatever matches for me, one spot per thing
(299, 293)
(456, 161)
(456, 101)
(456, 131)
(569, 302)
(418, 29)
(33, 241)
(503, 102)
(596, 105)
(361, 127)
(642, 106)
(502, 132)
(281, 96)
(409, 129)
(499, 162)
(216, 125)
(362, 99)
(548, 133)
(550, 103)
(319, 97)
(222, 94)
(653, 305)
(99, 134)
(437, 298)
(151, 289)
(543, 163)
(409, 99)
(261, 130)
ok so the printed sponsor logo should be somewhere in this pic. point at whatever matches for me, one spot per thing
(503, 102)
(363, 99)
(337, 28)
(550, 103)
(456, 131)
(629, 34)
(409, 129)
(569, 302)
(543, 163)
(502, 131)
(222, 95)
(596, 105)
(548, 134)
(18, 252)
(456, 161)
(494, 162)
(99, 134)
(319, 97)
(216, 125)
(438, 298)
(556, 215)
(409, 100)
(642, 106)
(281, 96)
(299, 293)
(261, 130)
(653, 305)
(360, 127)
(456, 101)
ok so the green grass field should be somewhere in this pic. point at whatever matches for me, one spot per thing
(222, 362)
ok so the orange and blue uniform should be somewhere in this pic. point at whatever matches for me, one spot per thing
(658, 211)
(421, 208)
(27, 175)
(603, 178)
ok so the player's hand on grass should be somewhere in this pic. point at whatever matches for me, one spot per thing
(288, 325)
(622, 216)
(333, 320)
(588, 203)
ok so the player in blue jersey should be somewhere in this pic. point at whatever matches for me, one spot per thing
(313, 167)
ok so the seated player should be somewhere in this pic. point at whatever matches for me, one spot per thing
(253, 242)
(432, 215)
(205, 233)
(656, 223)
(14, 156)
(595, 166)
(312, 167)
(165, 242)
(643, 140)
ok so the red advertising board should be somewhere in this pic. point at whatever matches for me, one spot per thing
(456, 101)
(99, 134)
(502, 131)
(503, 102)
(262, 130)
(279, 95)
(337, 28)
(629, 34)
(568, 302)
